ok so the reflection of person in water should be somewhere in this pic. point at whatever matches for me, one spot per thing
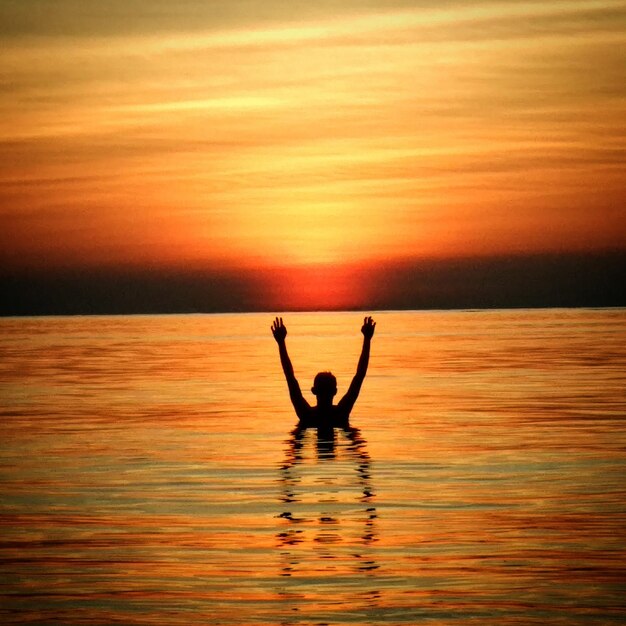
(323, 501)
(325, 414)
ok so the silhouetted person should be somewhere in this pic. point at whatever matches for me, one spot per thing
(325, 415)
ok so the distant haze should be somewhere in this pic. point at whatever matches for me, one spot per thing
(495, 282)
(263, 155)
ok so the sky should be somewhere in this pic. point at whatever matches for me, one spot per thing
(273, 155)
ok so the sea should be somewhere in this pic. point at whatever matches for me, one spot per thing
(150, 473)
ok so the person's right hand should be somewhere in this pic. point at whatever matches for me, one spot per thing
(279, 330)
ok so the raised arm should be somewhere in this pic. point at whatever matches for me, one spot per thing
(347, 402)
(301, 406)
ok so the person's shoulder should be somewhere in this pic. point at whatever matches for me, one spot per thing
(306, 415)
(340, 411)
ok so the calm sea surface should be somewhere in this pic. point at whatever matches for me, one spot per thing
(149, 473)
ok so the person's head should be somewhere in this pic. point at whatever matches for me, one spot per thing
(324, 386)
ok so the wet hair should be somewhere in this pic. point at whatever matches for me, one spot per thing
(325, 383)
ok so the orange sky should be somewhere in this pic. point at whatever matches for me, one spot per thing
(262, 134)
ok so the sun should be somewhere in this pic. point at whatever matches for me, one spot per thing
(315, 287)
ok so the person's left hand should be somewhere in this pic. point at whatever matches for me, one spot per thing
(368, 327)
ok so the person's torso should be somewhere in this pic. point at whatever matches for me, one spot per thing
(320, 417)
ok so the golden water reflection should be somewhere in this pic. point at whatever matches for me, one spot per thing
(145, 477)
